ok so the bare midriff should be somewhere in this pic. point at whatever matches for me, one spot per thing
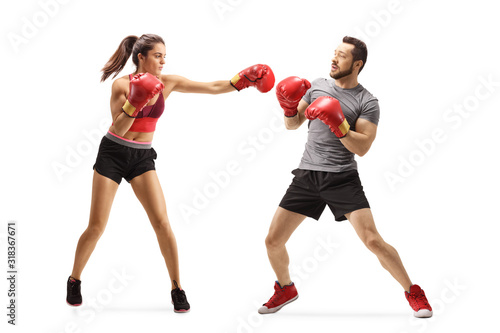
(135, 136)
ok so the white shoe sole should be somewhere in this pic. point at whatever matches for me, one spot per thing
(265, 310)
(423, 313)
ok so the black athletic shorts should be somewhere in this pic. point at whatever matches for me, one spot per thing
(311, 191)
(121, 158)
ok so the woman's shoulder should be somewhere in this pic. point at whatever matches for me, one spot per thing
(122, 81)
(171, 78)
(121, 85)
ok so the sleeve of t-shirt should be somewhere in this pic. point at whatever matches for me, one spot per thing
(371, 111)
(308, 96)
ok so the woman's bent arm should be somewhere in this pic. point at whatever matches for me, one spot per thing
(121, 121)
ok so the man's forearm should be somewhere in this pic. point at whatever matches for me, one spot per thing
(356, 143)
(292, 123)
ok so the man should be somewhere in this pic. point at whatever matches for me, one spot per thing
(343, 121)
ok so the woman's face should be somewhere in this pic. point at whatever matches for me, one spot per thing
(154, 61)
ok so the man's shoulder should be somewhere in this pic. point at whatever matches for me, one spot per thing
(321, 81)
(365, 96)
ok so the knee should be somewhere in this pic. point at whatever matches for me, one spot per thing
(161, 225)
(273, 242)
(374, 243)
(95, 230)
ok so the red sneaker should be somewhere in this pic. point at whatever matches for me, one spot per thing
(418, 302)
(282, 296)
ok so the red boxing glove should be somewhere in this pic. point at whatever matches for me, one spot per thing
(289, 92)
(143, 87)
(258, 76)
(328, 110)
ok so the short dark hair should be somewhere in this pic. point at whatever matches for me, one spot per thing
(360, 52)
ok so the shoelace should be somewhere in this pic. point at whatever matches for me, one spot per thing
(419, 300)
(275, 296)
(180, 295)
(73, 291)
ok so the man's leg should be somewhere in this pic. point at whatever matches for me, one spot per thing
(282, 226)
(363, 223)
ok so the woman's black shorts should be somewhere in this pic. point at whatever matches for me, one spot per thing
(121, 158)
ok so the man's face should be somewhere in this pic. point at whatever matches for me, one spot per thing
(342, 62)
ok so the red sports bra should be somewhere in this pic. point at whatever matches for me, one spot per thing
(146, 119)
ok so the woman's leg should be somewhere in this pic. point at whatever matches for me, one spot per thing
(148, 190)
(103, 193)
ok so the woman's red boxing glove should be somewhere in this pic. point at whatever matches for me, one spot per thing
(143, 87)
(258, 76)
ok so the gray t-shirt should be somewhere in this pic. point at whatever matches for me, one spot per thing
(324, 151)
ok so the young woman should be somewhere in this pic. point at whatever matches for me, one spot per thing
(137, 101)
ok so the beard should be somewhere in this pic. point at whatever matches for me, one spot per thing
(342, 74)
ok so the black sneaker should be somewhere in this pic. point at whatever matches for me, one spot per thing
(179, 299)
(74, 296)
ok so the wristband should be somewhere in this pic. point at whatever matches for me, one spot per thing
(342, 129)
(129, 109)
(296, 112)
(234, 81)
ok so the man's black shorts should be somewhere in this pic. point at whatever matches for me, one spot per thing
(120, 158)
(311, 191)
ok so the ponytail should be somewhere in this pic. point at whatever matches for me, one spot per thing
(131, 45)
(118, 60)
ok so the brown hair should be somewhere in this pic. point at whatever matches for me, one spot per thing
(359, 52)
(129, 45)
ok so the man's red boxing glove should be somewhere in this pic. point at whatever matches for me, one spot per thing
(143, 87)
(328, 110)
(258, 76)
(289, 92)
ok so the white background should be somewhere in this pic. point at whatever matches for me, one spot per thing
(426, 59)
